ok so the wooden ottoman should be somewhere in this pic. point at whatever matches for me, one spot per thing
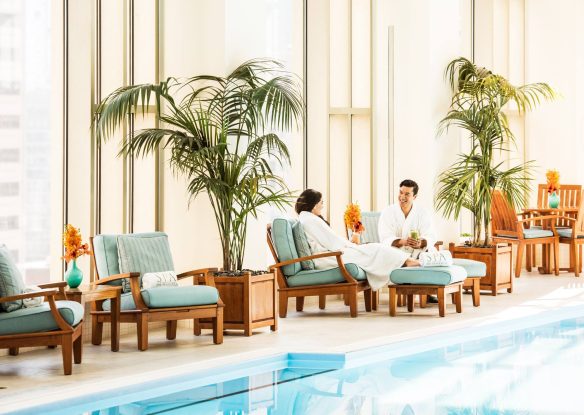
(409, 290)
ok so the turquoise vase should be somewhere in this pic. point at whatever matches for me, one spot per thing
(74, 275)
(554, 200)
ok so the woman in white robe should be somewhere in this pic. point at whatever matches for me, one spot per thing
(375, 259)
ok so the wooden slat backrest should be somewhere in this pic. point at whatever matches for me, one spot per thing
(580, 216)
(570, 196)
(503, 217)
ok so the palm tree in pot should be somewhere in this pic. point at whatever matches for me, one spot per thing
(220, 134)
(477, 106)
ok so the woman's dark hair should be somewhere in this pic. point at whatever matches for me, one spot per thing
(307, 200)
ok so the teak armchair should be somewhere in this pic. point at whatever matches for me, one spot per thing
(141, 306)
(574, 236)
(339, 281)
(32, 327)
(507, 227)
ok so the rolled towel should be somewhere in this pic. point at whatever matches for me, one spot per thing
(35, 301)
(436, 259)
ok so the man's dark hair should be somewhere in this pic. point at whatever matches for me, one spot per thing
(410, 183)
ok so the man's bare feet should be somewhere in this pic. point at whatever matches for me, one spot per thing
(410, 262)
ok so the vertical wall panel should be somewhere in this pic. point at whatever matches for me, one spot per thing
(361, 161)
(340, 175)
(361, 54)
(340, 53)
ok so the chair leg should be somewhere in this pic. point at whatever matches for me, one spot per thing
(441, 300)
(171, 329)
(322, 302)
(218, 326)
(458, 297)
(476, 292)
(392, 300)
(518, 263)
(196, 327)
(423, 300)
(556, 258)
(96, 331)
(283, 304)
(347, 299)
(78, 349)
(299, 303)
(368, 294)
(375, 300)
(528, 253)
(576, 258)
(13, 351)
(410, 301)
(400, 300)
(353, 301)
(142, 328)
(67, 350)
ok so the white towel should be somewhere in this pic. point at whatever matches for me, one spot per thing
(436, 259)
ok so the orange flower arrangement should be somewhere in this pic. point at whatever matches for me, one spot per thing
(72, 243)
(553, 180)
(353, 218)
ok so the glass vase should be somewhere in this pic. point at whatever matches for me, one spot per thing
(554, 200)
(74, 275)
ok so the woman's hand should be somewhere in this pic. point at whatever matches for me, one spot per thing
(356, 237)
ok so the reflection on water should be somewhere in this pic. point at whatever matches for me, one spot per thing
(533, 371)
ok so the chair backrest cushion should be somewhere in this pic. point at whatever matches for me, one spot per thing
(302, 246)
(11, 282)
(370, 221)
(141, 253)
(284, 244)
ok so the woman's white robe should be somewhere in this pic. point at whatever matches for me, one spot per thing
(375, 259)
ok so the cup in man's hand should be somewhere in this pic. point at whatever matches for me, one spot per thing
(415, 234)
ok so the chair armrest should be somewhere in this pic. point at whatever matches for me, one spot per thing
(306, 258)
(438, 244)
(196, 272)
(61, 285)
(40, 293)
(538, 218)
(116, 277)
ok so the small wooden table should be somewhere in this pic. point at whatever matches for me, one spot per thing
(409, 290)
(88, 294)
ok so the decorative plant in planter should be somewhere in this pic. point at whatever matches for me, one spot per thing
(478, 102)
(220, 134)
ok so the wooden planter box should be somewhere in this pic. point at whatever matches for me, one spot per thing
(499, 260)
(250, 302)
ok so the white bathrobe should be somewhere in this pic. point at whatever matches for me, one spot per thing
(377, 260)
(393, 224)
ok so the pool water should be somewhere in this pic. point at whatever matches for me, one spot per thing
(538, 370)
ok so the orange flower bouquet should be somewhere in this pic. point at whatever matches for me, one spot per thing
(72, 242)
(353, 218)
(553, 180)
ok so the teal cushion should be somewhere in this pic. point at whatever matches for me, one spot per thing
(163, 297)
(428, 275)
(472, 268)
(325, 276)
(105, 254)
(567, 233)
(370, 221)
(39, 319)
(11, 282)
(284, 244)
(302, 246)
(140, 253)
(536, 233)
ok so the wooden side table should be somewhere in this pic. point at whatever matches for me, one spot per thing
(250, 302)
(89, 294)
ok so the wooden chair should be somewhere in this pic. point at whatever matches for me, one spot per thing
(507, 227)
(570, 196)
(61, 332)
(574, 236)
(347, 285)
(134, 308)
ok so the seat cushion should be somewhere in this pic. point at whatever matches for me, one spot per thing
(163, 297)
(284, 244)
(11, 281)
(472, 268)
(39, 319)
(137, 253)
(567, 233)
(302, 246)
(536, 233)
(325, 276)
(370, 221)
(428, 275)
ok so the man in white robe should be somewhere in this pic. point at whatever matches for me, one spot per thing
(405, 225)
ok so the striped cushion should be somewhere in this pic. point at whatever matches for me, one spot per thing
(284, 244)
(371, 222)
(302, 246)
(11, 282)
(143, 254)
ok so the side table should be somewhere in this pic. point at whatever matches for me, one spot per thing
(250, 302)
(92, 293)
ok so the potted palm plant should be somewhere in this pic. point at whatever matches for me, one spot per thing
(479, 100)
(220, 133)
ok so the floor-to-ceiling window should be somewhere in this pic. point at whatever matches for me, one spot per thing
(25, 88)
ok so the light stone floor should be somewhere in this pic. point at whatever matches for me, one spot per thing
(38, 372)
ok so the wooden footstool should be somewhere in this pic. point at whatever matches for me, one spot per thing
(422, 281)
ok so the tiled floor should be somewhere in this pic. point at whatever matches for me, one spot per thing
(38, 372)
